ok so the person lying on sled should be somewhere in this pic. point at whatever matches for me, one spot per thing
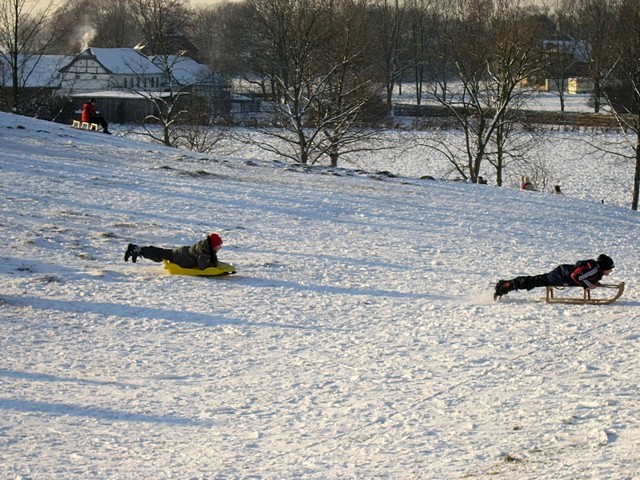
(584, 273)
(202, 254)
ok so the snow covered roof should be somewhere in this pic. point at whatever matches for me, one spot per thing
(120, 94)
(35, 71)
(122, 61)
(185, 70)
(578, 49)
(44, 70)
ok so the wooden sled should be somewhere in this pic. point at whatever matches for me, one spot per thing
(221, 269)
(586, 297)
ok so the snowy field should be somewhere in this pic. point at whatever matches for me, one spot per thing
(359, 338)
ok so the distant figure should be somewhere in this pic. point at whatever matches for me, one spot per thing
(90, 115)
(584, 273)
(525, 184)
(481, 180)
(556, 190)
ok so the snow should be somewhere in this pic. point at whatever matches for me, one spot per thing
(36, 71)
(123, 61)
(535, 100)
(359, 338)
(184, 70)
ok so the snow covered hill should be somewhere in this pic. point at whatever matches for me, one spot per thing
(359, 338)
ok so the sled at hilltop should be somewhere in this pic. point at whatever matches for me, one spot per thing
(222, 269)
(586, 296)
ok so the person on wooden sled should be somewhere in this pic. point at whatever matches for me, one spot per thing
(584, 273)
(90, 115)
(202, 254)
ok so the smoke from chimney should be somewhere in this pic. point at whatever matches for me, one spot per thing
(86, 33)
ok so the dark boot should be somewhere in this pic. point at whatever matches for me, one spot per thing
(502, 288)
(132, 252)
(521, 283)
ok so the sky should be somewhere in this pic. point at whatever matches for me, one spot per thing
(358, 339)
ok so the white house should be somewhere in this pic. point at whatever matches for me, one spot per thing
(573, 57)
(100, 69)
(122, 80)
(576, 50)
(580, 85)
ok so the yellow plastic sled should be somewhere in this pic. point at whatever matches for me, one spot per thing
(221, 269)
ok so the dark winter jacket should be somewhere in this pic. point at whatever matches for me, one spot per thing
(88, 112)
(585, 273)
(199, 255)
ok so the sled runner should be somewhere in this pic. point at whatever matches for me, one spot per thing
(221, 269)
(586, 296)
(85, 125)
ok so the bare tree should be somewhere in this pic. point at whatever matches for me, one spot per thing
(564, 53)
(293, 30)
(220, 32)
(351, 96)
(88, 23)
(177, 105)
(494, 49)
(70, 21)
(114, 23)
(516, 60)
(442, 63)
(205, 31)
(158, 21)
(390, 44)
(597, 22)
(168, 112)
(321, 88)
(23, 39)
(624, 97)
(422, 29)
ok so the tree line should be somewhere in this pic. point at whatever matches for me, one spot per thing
(330, 67)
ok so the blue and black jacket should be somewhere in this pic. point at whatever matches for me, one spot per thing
(585, 273)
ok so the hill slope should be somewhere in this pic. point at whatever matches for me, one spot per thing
(359, 338)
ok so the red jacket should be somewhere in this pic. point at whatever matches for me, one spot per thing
(88, 112)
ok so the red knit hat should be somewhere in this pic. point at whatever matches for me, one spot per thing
(215, 240)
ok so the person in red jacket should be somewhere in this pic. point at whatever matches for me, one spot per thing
(525, 184)
(203, 254)
(90, 115)
(584, 273)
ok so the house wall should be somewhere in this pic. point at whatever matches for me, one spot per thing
(87, 75)
(580, 85)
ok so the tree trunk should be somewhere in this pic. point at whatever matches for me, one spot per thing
(636, 177)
